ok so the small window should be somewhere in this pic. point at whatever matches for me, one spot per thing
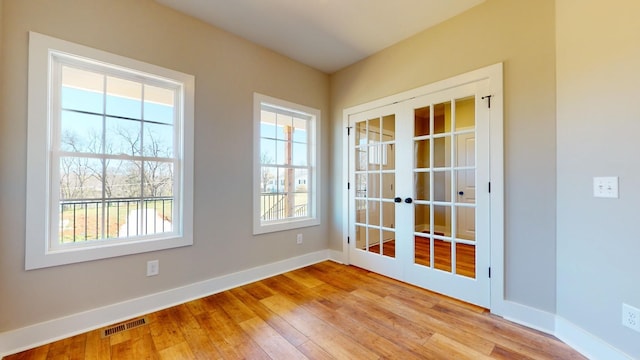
(112, 134)
(286, 156)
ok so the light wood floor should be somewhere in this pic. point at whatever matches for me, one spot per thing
(324, 311)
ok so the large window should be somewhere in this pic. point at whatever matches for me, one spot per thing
(112, 134)
(285, 178)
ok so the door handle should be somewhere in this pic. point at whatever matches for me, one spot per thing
(408, 200)
(397, 200)
(460, 193)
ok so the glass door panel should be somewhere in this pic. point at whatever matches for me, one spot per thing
(444, 186)
(374, 150)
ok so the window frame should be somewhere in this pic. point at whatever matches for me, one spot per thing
(42, 124)
(313, 155)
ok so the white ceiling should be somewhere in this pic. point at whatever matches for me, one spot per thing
(325, 34)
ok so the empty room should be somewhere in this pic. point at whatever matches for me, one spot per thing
(276, 179)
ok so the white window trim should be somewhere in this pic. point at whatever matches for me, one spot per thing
(314, 158)
(38, 253)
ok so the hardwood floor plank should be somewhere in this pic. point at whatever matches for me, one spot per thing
(283, 328)
(304, 278)
(198, 338)
(236, 310)
(276, 346)
(97, 347)
(39, 353)
(323, 311)
(331, 340)
(164, 331)
(231, 340)
(382, 346)
(421, 317)
(312, 351)
(179, 351)
(454, 349)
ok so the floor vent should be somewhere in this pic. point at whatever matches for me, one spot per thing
(124, 326)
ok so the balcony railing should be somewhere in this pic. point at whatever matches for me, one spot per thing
(274, 207)
(82, 220)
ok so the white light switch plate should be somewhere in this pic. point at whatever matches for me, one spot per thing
(605, 187)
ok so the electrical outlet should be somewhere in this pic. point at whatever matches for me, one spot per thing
(631, 317)
(299, 239)
(153, 267)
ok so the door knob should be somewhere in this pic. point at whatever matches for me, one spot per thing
(408, 200)
(460, 193)
(397, 200)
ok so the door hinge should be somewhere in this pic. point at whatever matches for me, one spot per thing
(489, 187)
(348, 186)
(349, 130)
(348, 240)
(488, 97)
(489, 272)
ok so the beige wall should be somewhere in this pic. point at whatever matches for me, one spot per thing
(598, 67)
(521, 34)
(228, 70)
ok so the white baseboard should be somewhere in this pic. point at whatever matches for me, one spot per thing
(577, 338)
(586, 343)
(337, 256)
(529, 316)
(42, 333)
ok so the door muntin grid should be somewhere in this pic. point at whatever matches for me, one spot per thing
(444, 172)
(374, 149)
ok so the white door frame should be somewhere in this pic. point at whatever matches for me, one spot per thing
(496, 165)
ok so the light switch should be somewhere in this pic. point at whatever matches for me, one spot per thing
(605, 187)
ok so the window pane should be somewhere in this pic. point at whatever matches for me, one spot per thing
(299, 156)
(122, 217)
(361, 185)
(124, 98)
(442, 152)
(82, 90)
(122, 136)
(80, 132)
(158, 140)
(302, 176)
(281, 154)
(285, 127)
(421, 183)
(80, 221)
(301, 202)
(389, 128)
(442, 118)
(421, 121)
(465, 113)
(268, 179)
(123, 178)
(373, 207)
(158, 179)
(158, 104)
(267, 124)
(267, 151)
(422, 154)
(300, 130)
(442, 186)
(374, 130)
(80, 178)
(361, 133)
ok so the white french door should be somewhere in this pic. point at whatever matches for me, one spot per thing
(419, 205)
